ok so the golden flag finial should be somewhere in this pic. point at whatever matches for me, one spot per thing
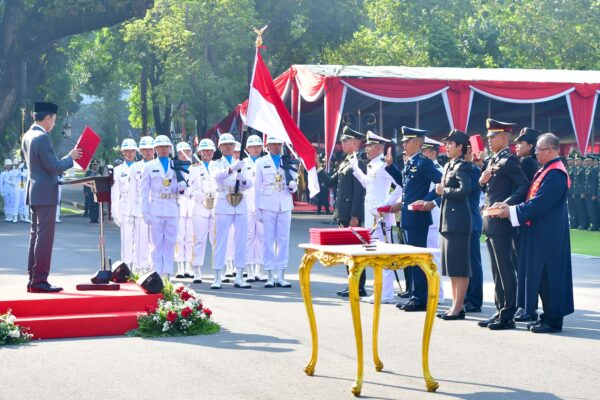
(259, 33)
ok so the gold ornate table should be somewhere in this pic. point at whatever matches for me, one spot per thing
(357, 258)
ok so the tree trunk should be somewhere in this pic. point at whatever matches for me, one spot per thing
(27, 32)
(144, 100)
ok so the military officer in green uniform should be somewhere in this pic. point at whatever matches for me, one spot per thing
(590, 190)
(350, 194)
(572, 202)
(579, 195)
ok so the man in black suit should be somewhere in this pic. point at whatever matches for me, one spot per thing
(42, 193)
(349, 194)
(502, 180)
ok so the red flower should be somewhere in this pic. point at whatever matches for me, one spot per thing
(185, 296)
(200, 306)
(186, 312)
(180, 289)
(207, 312)
(171, 316)
(150, 310)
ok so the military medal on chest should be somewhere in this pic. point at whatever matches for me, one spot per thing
(278, 177)
(166, 182)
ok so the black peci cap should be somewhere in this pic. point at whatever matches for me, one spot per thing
(46, 107)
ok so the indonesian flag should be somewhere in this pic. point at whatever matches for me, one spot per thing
(267, 113)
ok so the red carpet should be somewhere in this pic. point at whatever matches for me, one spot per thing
(302, 207)
(73, 313)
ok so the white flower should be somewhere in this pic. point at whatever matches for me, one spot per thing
(168, 305)
(15, 334)
(11, 319)
(166, 326)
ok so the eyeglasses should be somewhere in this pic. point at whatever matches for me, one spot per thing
(539, 150)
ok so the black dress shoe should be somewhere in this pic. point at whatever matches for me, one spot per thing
(411, 306)
(404, 295)
(485, 323)
(470, 308)
(44, 287)
(186, 275)
(526, 318)
(460, 315)
(502, 324)
(544, 328)
(346, 293)
(441, 314)
(532, 324)
(179, 276)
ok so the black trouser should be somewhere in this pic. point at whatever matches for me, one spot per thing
(475, 289)
(94, 213)
(43, 223)
(416, 278)
(592, 211)
(363, 275)
(504, 273)
(582, 214)
(573, 217)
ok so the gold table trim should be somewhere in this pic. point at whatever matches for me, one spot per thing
(356, 264)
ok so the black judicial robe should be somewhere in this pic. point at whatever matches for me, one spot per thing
(545, 246)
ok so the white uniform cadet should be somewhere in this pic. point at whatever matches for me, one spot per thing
(185, 229)
(141, 230)
(203, 189)
(20, 207)
(230, 253)
(160, 210)
(377, 183)
(255, 243)
(274, 204)
(119, 198)
(230, 210)
(8, 190)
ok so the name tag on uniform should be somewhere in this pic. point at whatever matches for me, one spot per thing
(123, 174)
(155, 170)
(166, 182)
(202, 174)
(267, 166)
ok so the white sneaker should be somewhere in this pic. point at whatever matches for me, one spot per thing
(15, 219)
(180, 270)
(371, 300)
(270, 280)
(197, 274)
(280, 281)
(217, 282)
(239, 281)
(7, 219)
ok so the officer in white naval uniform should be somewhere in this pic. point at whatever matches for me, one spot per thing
(230, 210)
(160, 191)
(274, 207)
(254, 246)
(431, 149)
(377, 183)
(9, 190)
(141, 230)
(230, 253)
(203, 189)
(185, 229)
(21, 209)
(119, 198)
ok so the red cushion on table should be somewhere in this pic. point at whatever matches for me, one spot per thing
(329, 236)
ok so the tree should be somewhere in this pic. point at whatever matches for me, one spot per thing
(29, 32)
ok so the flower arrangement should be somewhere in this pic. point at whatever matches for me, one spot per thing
(179, 313)
(11, 333)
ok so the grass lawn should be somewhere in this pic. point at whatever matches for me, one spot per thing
(585, 242)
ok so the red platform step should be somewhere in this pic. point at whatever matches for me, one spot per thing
(73, 313)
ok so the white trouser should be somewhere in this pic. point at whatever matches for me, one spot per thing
(126, 238)
(164, 234)
(225, 222)
(433, 242)
(204, 228)
(276, 239)
(388, 276)
(254, 255)
(19, 204)
(141, 245)
(230, 253)
(185, 240)
(9, 200)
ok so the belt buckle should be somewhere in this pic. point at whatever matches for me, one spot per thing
(209, 202)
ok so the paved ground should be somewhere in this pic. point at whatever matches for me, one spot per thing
(265, 343)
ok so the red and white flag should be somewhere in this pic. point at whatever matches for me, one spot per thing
(267, 113)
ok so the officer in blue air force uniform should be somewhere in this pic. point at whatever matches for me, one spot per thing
(418, 174)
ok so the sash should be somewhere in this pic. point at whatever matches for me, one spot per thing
(539, 177)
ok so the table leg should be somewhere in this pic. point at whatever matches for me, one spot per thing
(353, 280)
(376, 309)
(304, 276)
(433, 287)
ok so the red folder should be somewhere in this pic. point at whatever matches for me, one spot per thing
(476, 145)
(88, 143)
(332, 236)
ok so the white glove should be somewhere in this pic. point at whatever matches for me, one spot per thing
(236, 165)
(181, 186)
(354, 162)
(293, 186)
(147, 219)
